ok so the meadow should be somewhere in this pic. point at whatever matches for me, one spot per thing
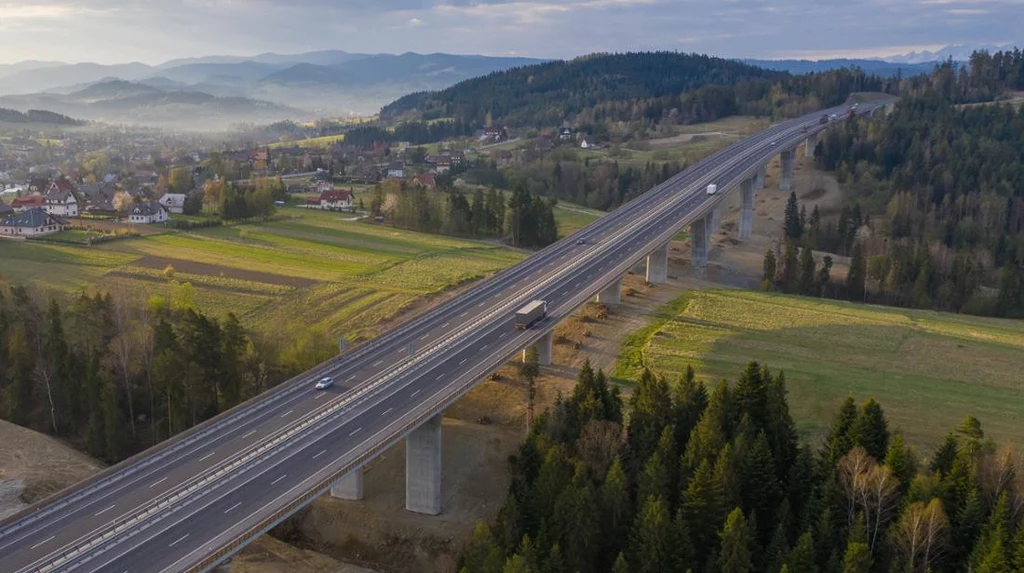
(928, 370)
(320, 269)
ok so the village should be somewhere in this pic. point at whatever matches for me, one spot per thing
(125, 180)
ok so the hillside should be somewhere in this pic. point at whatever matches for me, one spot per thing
(35, 116)
(641, 89)
(119, 101)
(550, 91)
(877, 67)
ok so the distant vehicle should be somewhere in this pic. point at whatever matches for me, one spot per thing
(581, 241)
(712, 189)
(833, 116)
(804, 129)
(325, 383)
(772, 143)
(530, 314)
(823, 120)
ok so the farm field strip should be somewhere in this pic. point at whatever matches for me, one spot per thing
(927, 369)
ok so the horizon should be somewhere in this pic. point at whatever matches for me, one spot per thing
(96, 31)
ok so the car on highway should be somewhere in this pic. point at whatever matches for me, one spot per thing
(712, 189)
(325, 383)
(581, 241)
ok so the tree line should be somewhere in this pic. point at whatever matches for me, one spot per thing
(114, 378)
(686, 478)
(651, 87)
(523, 219)
(935, 216)
(413, 131)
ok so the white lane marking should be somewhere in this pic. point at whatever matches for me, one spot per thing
(413, 395)
(503, 335)
(249, 434)
(102, 511)
(207, 456)
(439, 376)
(232, 507)
(180, 539)
(285, 415)
(484, 347)
(350, 378)
(565, 292)
(318, 454)
(445, 325)
(158, 482)
(463, 361)
(378, 363)
(386, 412)
(463, 314)
(355, 431)
(320, 395)
(425, 336)
(43, 541)
(278, 479)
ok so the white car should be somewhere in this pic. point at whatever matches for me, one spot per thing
(325, 383)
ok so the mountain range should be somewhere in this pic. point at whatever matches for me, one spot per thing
(313, 84)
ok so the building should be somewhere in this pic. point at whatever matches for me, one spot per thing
(396, 170)
(426, 179)
(337, 200)
(589, 142)
(565, 134)
(33, 201)
(34, 222)
(174, 202)
(61, 199)
(147, 212)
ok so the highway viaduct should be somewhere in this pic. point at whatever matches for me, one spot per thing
(190, 503)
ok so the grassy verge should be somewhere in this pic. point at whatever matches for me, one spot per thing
(928, 369)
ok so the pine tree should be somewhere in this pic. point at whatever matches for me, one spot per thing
(870, 430)
(944, 456)
(807, 274)
(651, 405)
(790, 281)
(1018, 548)
(616, 508)
(735, 554)
(856, 277)
(701, 509)
(659, 476)
(113, 423)
(769, 271)
(792, 225)
(620, 565)
(840, 439)
(902, 461)
(689, 400)
(652, 540)
(481, 553)
(801, 557)
(685, 556)
(857, 558)
(824, 273)
(761, 490)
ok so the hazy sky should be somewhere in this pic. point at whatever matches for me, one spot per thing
(153, 31)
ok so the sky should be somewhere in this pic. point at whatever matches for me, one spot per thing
(154, 31)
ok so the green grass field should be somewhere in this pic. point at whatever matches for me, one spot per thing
(927, 369)
(318, 268)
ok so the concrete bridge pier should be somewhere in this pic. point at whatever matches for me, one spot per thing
(748, 194)
(786, 182)
(657, 265)
(810, 144)
(611, 294)
(716, 219)
(349, 487)
(759, 177)
(423, 468)
(700, 240)
(543, 347)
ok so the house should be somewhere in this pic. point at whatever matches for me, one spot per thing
(564, 134)
(426, 179)
(147, 212)
(545, 143)
(22, 204)
(337, 200)
(396, 170)
(33, 222)
(494, 134)
(173, 202)
(61, 199)
(589, 142)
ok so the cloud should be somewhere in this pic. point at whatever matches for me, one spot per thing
(158, 30)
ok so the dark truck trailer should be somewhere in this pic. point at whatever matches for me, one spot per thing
(530, 314)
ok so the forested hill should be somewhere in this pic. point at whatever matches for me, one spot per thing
(652, 86)
(35, 116)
